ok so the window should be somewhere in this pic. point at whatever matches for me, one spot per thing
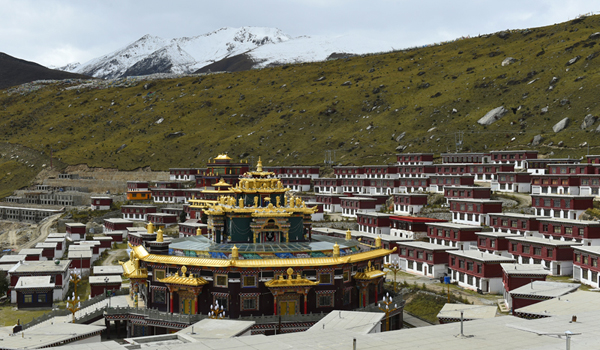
(347, 296)
(549, 252)
(324, 300)
(221, 281)
(537, 251)
(581, 231)
(557, 229)
(470, 266)
(568, 230)
(429, 257)
(478, 268)
(493, 243)
(325, 278)
(27, 298)
(249, 281)
(159, 296)
(577, 257)
(346, 276)
(585, 259)
(461, 264)
(223, 300)
(248, 303)
(523, 224)
(419, 255)
(159, 274)
(514, 247)
(41, 298)
(526, 249)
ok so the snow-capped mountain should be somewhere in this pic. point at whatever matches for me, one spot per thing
(223, 49)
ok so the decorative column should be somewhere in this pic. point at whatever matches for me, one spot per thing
(305, 302)
(170, 301)
(274, 304)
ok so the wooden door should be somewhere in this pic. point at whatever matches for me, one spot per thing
(287, 307)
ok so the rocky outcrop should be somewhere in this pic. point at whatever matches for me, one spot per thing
(588, 121)
(561, 125)
(537, 139)
(493, 116)
(508, 60)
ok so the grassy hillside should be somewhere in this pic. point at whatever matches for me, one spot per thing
(356, 106)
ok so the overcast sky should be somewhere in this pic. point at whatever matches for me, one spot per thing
(57, 32)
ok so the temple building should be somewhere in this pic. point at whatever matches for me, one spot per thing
(257, 256)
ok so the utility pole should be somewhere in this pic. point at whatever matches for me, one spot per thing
(458, 140)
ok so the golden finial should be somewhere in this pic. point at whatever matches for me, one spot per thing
(348, 235)
(150, 227)
(234, 253)
(198, 232)
(259, 165)
(378, 242)
(241, 202)
(159, 235)
(183, 270)
(290, 271)
(336, 250)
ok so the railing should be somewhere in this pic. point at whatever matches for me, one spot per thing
(154, 314)
(46, 317)
(285, 318)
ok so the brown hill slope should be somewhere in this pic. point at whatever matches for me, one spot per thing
(14, 71)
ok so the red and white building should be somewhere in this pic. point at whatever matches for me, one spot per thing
(168, 192)
(452, 234)
(517, 158)
(437, 183)
(515, 223)
(294, 171)
(561, 206)
(191, 227)
(373, 222)
(352, 185)
(413, 184)
(75, 230)
(299, 184)
(512, 182)
(100, 284)
(482, 172)
(410, 227)
(327, 185)
(553, 254)
(351, 205)
(409, 203)
(101, 203)
(540, 166)
(378, 186)
(414, 158)
(473, 211)
(537, 291)
(585, 265)
(349, 172)
(58, 273)
(555, 184)
(493, 243)
(163, 219)
(183, 174)
(332, 203)
(111, 225)
(415, 170)
(586, 232)
(466, 157)
(467, 192)
(81, 260)
(589, 184)
(49, 251)
(137, 212)
(477, 270)
(425, 259)
(517, 275)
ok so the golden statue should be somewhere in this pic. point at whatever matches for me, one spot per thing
(299, 202)
(277, 201)
(150, 227)
(256, 202)
(241, 202)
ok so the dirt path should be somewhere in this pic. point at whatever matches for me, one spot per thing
(435, 285)
(41, 232)
(114, 256)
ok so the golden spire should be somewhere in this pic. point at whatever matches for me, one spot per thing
(378, 242)
(234, 253)
(159, 235)
(336, 250)
(348, 235)
(150, 227)
(198, 232)
(259, 165)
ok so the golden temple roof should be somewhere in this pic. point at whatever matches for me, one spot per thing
(130, 270)
(223, 157)
(370, 273)
(290, 281)
(190, 280)
(143, 255)
(221, 183)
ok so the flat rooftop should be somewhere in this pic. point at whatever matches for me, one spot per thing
(26, 282)
(481, 256)
(107, 270)
(524, 269)
(546, 289)
(41, 266)
(575, 303)
(470, 312)
(545, 241)
(102, 279)
(426, 245)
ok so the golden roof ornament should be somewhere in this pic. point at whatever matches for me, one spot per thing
(159, 235)
(259, 165)
(234, 253)
(336, 250)
(198, 232)
(348, 235)
(150, 227)
(183, 270)
(223, 157)
(378, 242)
